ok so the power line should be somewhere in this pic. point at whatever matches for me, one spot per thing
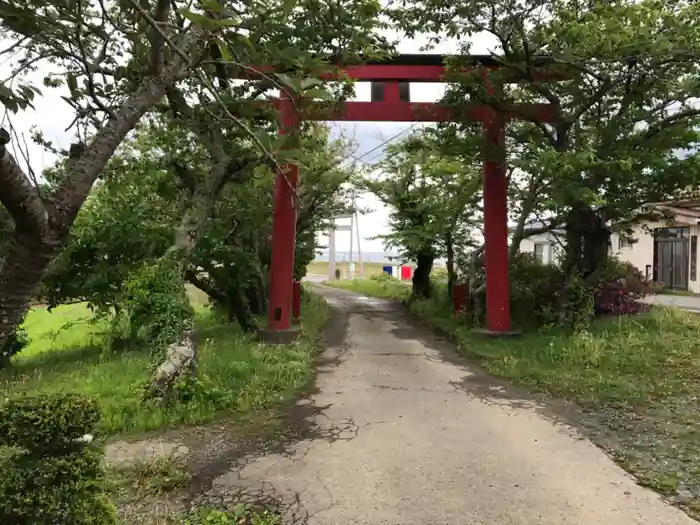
(359, 159)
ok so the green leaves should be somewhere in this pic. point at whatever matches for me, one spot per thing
(210, 21)
(431, 196)
(19, 98)
(288, 6)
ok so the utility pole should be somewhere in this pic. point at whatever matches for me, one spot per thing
(351, 265)
(331, 252)
(357, 231)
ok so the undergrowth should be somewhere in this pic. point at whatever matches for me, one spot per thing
(237, 374)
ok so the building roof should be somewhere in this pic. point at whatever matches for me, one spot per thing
(683, 210)
(544, 225)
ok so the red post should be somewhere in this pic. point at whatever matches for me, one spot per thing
(296, 299)
(496, 229)
(459, 296)
(284, 221)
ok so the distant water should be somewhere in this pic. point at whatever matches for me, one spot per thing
(375, 257)
(371, 257)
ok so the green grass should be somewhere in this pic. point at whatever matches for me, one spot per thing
(237, 374)
(384, 288)
(321, 268)
(154, 477)
(629, 360)
(636, 378)
(240, 514)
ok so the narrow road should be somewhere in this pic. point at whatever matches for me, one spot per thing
(691, 303)
(406, 434)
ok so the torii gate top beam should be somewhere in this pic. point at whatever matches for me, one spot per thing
(419, 68)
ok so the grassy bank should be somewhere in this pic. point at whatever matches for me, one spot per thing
(383, 288)
(237, 375)
(636, 379)
(321, 268)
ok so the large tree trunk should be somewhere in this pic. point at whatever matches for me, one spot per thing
(421, 276)
(182, 353)
(587, 240)
(22, 269)
(40, 228)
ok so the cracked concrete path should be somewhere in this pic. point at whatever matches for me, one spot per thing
(407, 434)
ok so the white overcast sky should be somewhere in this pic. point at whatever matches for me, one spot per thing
(52, 115)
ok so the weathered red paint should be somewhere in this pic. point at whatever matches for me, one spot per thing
(416, 112)
(391, 92)
(496, 229)
(459, 298)
(284, 221)
(296, 299)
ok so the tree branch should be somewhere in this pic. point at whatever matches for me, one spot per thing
(203, 285)
(663, 124)
(160, 17)
(70, 195)
(18, 195)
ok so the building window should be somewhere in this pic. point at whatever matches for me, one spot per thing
(624, 242)
(539, 251)
(672, 233)
(693, 257)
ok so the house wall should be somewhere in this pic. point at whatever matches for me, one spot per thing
(552, 246)
(640, 253)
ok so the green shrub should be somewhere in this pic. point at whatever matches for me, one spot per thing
(382, 277)
(55, 476)
(534, 289)
(537, 291)
(154, 308)
(50, 422)
(621, 286)
(14, 345)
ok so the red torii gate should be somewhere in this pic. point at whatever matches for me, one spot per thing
(391, 102)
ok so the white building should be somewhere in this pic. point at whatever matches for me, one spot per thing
(665, 251)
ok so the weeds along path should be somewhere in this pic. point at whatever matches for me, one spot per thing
(400, 430)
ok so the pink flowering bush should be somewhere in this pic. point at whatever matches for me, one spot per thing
(621, 287)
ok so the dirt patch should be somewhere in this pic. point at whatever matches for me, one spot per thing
(209, 451)
(659, 444)
(124, 453)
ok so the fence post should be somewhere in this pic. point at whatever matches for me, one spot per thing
(459, 296)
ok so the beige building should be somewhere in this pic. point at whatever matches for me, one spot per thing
(665, 251)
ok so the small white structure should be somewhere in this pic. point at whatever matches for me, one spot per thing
(665, 251)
